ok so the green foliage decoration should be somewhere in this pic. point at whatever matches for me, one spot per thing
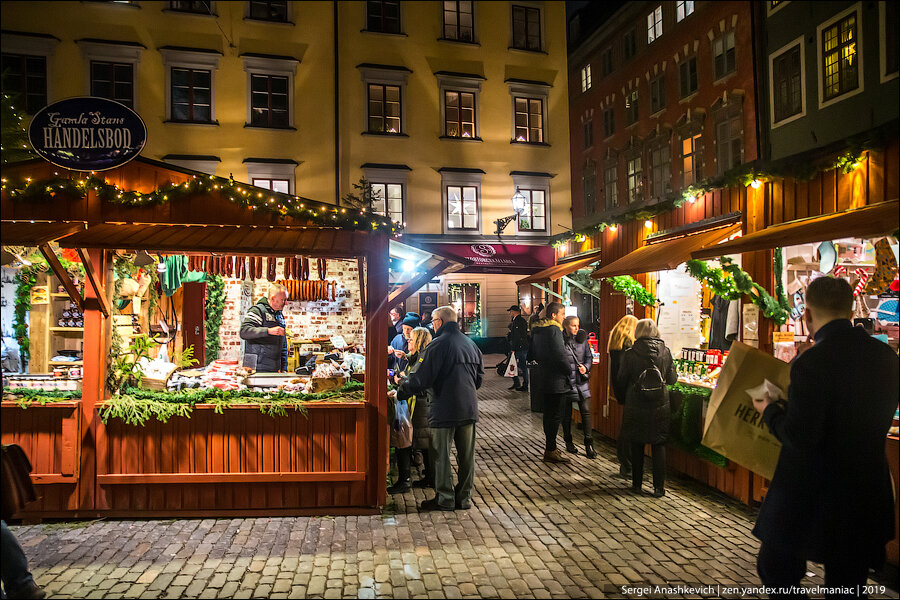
(731, 282)
(778, 268)
(213, 309)
(26, 397)
(625, 284)
(28, 278)
(14, 146)
(247, 196)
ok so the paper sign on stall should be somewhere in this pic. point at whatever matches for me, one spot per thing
(733, 427)
(338, 341)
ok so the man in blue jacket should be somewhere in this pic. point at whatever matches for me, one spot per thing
(453, 367)
(830, 500)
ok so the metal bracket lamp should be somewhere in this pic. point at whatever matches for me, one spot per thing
(519, 202)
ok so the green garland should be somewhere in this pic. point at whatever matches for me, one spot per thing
(623, 283)
(778, 268)
(731, 282)
(28, 278)
(136, 406)
(213, 308)
(244, 195)
(26, 397)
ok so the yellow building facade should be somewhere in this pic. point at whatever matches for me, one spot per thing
(447, 108)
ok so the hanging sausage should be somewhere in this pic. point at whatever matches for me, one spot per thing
(322, 267)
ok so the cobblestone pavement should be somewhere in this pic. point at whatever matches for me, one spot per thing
(535, 531)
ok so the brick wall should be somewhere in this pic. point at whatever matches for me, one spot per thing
(308, 319)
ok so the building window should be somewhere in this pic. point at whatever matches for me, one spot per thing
(466, 299)
(890, 62)
(200, 7)
(388, 200)
(535, 216)
(609, 122)
(635, 180)
(114, 81)
(688, 76)
(657, 94)
(276, 185)
(588, 129)
(383, 16)
(529, 119)
(690, 160)
(384, 108)
(631, 107)
(683, 9)
(660, 171)
(606, 62)
(729, 142)
(269, 101)
(723, 55)
(459, 114)
(629, 42)
(839, 58)
(787, 84)
(654, 25)
(610, 185)
(526, 28)
(191, 95)
(25, 80)
(459, 21)
(462, 207)
(589, 187)
(585, 78)
(269, 11)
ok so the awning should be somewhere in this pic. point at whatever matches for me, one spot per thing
(868, 221)
(515, 259)
(556, 271)
(28, 233)
(666, 255)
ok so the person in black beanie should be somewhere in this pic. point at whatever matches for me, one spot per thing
(518, 345)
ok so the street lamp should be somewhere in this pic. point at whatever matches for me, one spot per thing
(519, 202)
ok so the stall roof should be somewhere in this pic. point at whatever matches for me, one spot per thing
(666, 255)
(36, 233)
(875, 219)
(562, 269)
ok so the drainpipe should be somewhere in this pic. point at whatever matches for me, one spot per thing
(337, 117)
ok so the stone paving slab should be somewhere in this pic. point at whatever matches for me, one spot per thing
(535, 531)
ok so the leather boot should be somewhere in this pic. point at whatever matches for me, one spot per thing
(570, 447)
(589, 450)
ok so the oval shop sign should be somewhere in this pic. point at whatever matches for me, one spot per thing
(87, 134)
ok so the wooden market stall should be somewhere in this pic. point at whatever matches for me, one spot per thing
(240, 462)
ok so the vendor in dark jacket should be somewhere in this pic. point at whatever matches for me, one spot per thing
(552, 374)
(620, 339)
(646, 371)
(452, 366)
(263, 329)
(581, 359)
(830, 500)
(518, 345)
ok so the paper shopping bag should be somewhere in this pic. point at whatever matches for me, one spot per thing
(512, 369)
(733, 428)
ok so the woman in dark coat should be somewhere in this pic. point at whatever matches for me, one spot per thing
(421, 409)
(620, 339)
(581, 359)
(646, 371)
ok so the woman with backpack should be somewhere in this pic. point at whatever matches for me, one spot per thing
(646, 371)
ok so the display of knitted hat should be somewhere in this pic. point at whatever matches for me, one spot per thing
(885, 268)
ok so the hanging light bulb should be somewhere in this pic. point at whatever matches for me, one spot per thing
(648, 224)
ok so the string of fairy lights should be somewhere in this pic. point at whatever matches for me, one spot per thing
(40, 190)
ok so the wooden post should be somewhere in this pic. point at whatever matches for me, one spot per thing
(94, 281)
(62, 275)
(377, 262)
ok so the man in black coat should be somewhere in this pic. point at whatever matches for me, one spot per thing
(548, 349)
(830, 500)
(518, 345)
(452, 366)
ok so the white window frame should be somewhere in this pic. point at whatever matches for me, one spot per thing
(882, 44)
(612, 112)
(461, 179)
(654, 25)
(114, 53)
(398, 76)
(28, 45)
(787, 47)
(586, 77)
(289, 21)
(459, 83)
(535, 183)
(771, 11)
(727, 114)
(191, 59)
(723, 38)
(635, 193)
(613, 194)
(860, 70)
(443, 36)
(633, 103)
(272, 170)
(538, 91)
(659, 79)
(391, 176)
(278, 67)
(527, 4)
(683, 9)
(589, 209)
(658, 176)
(696, 150)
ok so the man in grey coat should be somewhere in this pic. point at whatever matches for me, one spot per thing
(452, 366)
